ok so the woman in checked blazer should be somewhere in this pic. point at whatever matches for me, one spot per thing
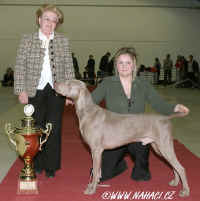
(44, 58)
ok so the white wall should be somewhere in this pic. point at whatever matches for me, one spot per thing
(94, 28)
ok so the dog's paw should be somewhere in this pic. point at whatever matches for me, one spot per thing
(90, 189)
(184, 193)
(173, 182)
(87, 191)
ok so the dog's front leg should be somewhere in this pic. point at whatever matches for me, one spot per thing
(96, 172)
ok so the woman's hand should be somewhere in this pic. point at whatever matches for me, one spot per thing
(23, 98)
(182, 109)
(69, 102)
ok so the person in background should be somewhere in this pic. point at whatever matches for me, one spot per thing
(192, 69)
(157, 66)
(76, 66)
(127, 93)
(141, 70)
(103, 65)
(167, 66)
(8, 78)
(179, 67)
(44, 58)
(90, 69)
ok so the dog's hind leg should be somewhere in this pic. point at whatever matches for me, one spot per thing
(96, 171)
(167, 151)
(176, 179)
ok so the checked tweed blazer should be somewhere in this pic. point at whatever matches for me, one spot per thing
(29, 61)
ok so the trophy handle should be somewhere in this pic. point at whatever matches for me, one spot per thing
(47, 132)
(10, 132)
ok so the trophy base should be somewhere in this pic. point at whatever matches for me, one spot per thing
(27, 187)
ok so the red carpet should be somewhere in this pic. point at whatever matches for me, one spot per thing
(72, 179)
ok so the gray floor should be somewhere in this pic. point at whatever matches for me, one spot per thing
(186, 129)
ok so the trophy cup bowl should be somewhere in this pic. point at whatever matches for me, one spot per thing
(28, 140)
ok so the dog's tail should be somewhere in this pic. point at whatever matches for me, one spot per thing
(177, 114)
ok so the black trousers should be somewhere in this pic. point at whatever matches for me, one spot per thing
(113, 162)
(48, 109)
(91, 77)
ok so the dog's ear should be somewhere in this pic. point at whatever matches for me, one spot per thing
(84, 96)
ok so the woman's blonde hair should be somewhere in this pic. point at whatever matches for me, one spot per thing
(126, 50)
(52, 8)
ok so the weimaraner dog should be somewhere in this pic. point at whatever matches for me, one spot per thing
(102, 129)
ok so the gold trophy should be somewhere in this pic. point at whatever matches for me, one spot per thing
(28, 140)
